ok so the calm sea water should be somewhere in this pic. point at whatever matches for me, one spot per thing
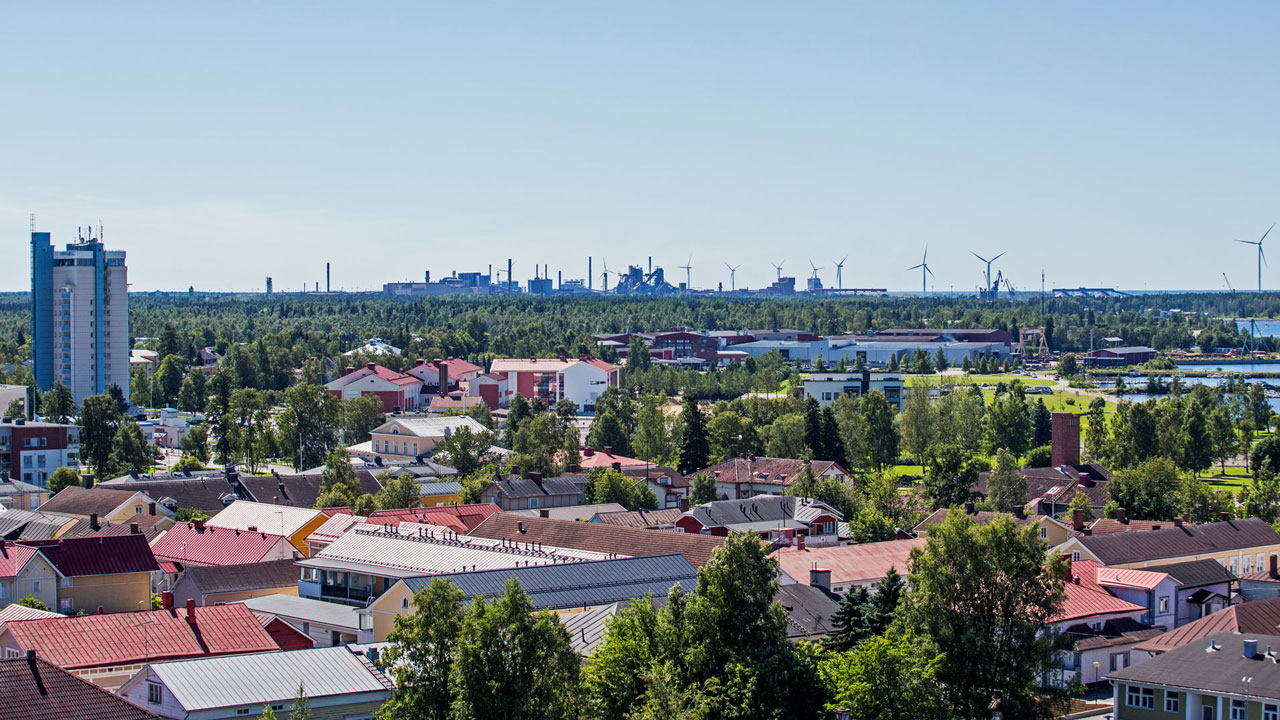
(1264, 328)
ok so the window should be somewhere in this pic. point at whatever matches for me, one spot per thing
(1044, 532)
(1171, 701)
(533, 503)
(1141, 698)
(1239, 711)
(1271, 712)
(137, 510)
(66, 606)
(1119, 661)
(35, 587)
(404, 603)
(153, 693)
(1075, 556)
(12, 652)
(64, 582)
(4, 591)
(1164, 605)
(306, 628)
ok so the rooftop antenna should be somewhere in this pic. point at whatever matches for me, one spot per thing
(815, 269)
(987, 288)
(732, 270)
(688, 273)
(839, 268)
(778, 267)
(925, 272)
(1262, 257)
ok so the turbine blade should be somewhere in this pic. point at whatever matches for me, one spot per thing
(975, 255)
(926, 269)
(998, 256)
(1263, 255)
(1248, 242)
(1265, 234)
(914, 267)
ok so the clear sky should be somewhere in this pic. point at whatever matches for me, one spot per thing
(1108, 143)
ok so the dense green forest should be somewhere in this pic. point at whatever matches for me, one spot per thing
(481, 328)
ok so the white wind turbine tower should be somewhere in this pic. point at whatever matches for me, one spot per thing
(839, 268)
(733, 269)
(925, 272)
(1262, 257)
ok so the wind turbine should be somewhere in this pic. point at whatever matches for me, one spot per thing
(732, 270)
(1262, 257)
(604, 276)
(987, 288)
(839, 267)
(925, 272)
(815, 269)
(778, 267)
(688, 272)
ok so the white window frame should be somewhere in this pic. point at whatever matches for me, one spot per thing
(66, 605)
(1172, 701)
(1239, 710)
(154, 695)
(1140, 697)
(1270, 712)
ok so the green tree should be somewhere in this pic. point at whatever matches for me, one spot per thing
(339, 486)
(637, 354)
(1068, 366)
(398, 491)
(1009, 421)
(17, 409)
(852, 620)
(829, 490)
(729, 435)
(100, 418)
(702, 489)
(870, 524)
(961, 419)
(1258, 406)
(308, 424)
(467, 451)
(267, 713)
(692, 447)
(420, 655)
(301, 707)
(1040, 456)
(1006, 488)
(1041, 424)
(360, 415)
(918, 422)
(885, 678)
(1202, 503)
(879, 434)
(129, 450)
(1260, 498)
(511, 662)
(940, 361)
(168, 379)
(1080, 501)
(57, 403)
(1097, 433)
(1148, 491)
(195, 444)
(62, 478)
(784, 437)
(606, 485)
(33, 602)
(609, 431)
(518, 412)
(1195, 439)
(987, 656)
(537, 444)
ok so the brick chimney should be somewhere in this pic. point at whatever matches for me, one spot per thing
(684, 504)
(1224, 516)
(969, 509)
(1065, 443)
(1077, 520)
(616, 466)
(199, 525)
(799, 541)
(442, 368)
(151, 509)
(588, 452)
(348, 370)
(371, 366)
(1122, 516)
(536, 477)
(166, 600)
(1274, 571)
(191, 611)
(93, 521)
(135, 529)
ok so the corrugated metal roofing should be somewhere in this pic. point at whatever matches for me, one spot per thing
(238, 578)
(30, 525)
(459, 518)
(106, 555)
(579, 584)
(1122, 548)
(13, 558)
(423, 550)
(849, 563)
(215, 545)
(697, 549)
(75, 500)
(256, 680)
(1083, 602)
(587, 628)
(318, 611)
(334, 527)
(281, 519)
(1259, 616)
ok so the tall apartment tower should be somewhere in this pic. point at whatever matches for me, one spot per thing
(79, 316)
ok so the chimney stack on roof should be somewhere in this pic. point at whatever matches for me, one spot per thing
(520, 526)
(191, 611)
(31, 657)
(199, 523)
(616, 465)
(800, 542)
(1064, 445)
(1077, 520)
(166, 599)
(93, 521)
(135, 529)
(1122, 516)
(588, 452)
(820, 578)
(348, 370)
(969, 509)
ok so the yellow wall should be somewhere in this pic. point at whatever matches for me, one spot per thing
(387, 607)
(299, 539)
(125, 592)
(1222, 558)
(230, 597)
(20, 587)
(441, 500)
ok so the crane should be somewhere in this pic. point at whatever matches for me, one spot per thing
(1228, 282)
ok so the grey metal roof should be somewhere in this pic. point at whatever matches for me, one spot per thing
(262, 678)
(512, 486)
(587, 628)
(30, 525)
(762, 513)
(1195, 573)
(583, 513)
(579, 584)
(324, 563)
(300, 608)
(1173, 542)
(441, 487)
(1198, 666)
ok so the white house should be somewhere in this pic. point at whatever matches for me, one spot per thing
(826, 388)
(405, 437)
(375, 346)
(580, 379)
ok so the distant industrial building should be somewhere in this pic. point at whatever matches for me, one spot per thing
(1119, 356)
(79, 316)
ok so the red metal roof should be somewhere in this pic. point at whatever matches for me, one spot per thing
(102, 555)
(214, 546)
(459, 518)
(120, 638)
(1084, 601)
(13, 558)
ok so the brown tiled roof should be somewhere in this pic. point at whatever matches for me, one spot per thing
(37, 690)
(202, 491)
(775, 471)
(1041, 480)
(1110, 526)
(238, 578)
(981, 517)
(299, 490)
(82, 528)
(108, 555)
(597, 537)
(654, 472)
(1175, 542)
(1259, 616)
(647, 519)
(76, 500)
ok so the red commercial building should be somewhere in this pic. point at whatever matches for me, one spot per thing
(31, 451)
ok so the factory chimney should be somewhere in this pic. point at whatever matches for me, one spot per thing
(588, 272)
(509, 278)
(560, 279)
(326, 277)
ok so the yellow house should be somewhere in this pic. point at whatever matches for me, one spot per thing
(294, 523)
(440, 494)
(25, 572)
(1050, 530)
(1241, 546)
(110, 572)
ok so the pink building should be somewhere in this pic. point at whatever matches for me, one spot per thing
(581, 379)
(395, 389)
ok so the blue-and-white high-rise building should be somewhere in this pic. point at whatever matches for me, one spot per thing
(79, 316)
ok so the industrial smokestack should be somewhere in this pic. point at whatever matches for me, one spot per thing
(509, 278)
(588, 272)
(560, 279)
(326, 277)
(650, 263)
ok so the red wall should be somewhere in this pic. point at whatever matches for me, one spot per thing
(689, 525)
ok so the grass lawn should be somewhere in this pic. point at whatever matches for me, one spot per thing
(917, 380)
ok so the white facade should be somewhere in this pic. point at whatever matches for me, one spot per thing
(583, 382)
(826, 388)
(90, 321)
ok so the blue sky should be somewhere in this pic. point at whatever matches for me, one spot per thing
(1119, 144)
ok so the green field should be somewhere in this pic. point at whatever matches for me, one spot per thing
(921, 380)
